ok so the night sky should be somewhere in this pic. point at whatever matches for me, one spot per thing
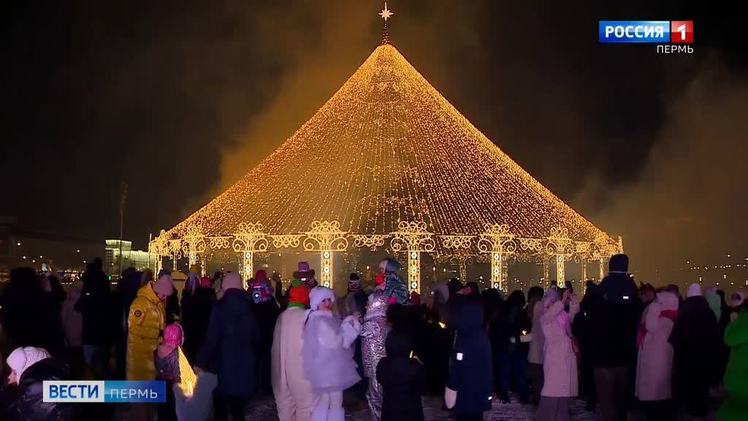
(178, 99)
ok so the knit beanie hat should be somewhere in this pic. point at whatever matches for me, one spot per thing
(174, 335)
(319, 294)
(231, 280)
(298, 295)
(261, 276)
(164, 285)
(24, 357)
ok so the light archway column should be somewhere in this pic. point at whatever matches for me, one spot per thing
(175, 252)
(249, 239)
(412, 237)
(193, 245)
(326, 237)
(560, 246)
(461, 245)
(499, 242)
(158, 247)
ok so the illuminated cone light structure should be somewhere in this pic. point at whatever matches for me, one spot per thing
(387, 161)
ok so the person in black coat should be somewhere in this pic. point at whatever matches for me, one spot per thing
(581, 328)
(696, 341)
(123, 295)
(470, 362)
(613, 326)
(23, 322)
(95, 306)
(196, 308)
(505, 330)
(402, 378)
(230, 349)
(266, 311)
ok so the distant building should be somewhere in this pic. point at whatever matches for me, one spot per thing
(138, 259)
(20, 246)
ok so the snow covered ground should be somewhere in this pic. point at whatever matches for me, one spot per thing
(263, 409)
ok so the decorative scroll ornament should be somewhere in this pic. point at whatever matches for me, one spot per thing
(559, 243)
(582, 251)
(250, 237)
(217, 243)
(369, 241)
(456, 242)
(193, 241)
(497, 238)
(325, 235)
(531, 244)
(499, 242)
(562, 247)
(412, 236)
(286, 240)
(174, 248)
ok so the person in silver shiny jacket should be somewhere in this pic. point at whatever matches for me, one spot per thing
(373, 334)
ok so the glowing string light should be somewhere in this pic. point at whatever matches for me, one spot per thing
(388, 147)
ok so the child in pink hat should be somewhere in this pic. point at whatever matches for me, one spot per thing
(188, 394)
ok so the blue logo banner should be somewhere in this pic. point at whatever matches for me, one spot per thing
(634, 31)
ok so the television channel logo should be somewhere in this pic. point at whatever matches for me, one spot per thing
(645, 31)
(681, 32)
(75, 391)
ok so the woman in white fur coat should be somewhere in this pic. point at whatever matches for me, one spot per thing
(559, 358)
(328, 356)
(655, 364)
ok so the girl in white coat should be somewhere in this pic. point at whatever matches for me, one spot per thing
(655, 364)
(328, 356)
(559, 358)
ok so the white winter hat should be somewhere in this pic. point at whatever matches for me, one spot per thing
(319, 294)
(24, 357)
(694, 291)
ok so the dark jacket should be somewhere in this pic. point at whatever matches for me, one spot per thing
(196, 308)
(95, 305)
(30, 405)
(25, 311)
(402, 378)
(172, 309)
(470, 369)
(696, 341)
(266, 314)
(231, 344)
(614, 320)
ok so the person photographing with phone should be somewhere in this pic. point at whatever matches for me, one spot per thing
(559, 357)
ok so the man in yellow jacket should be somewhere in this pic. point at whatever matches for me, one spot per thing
(145, 323)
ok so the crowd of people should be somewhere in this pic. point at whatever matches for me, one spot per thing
(226, 340)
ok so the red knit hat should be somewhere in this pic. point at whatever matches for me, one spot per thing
(298, 295)
(261, 276)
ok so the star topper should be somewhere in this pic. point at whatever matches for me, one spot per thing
(386, 13)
